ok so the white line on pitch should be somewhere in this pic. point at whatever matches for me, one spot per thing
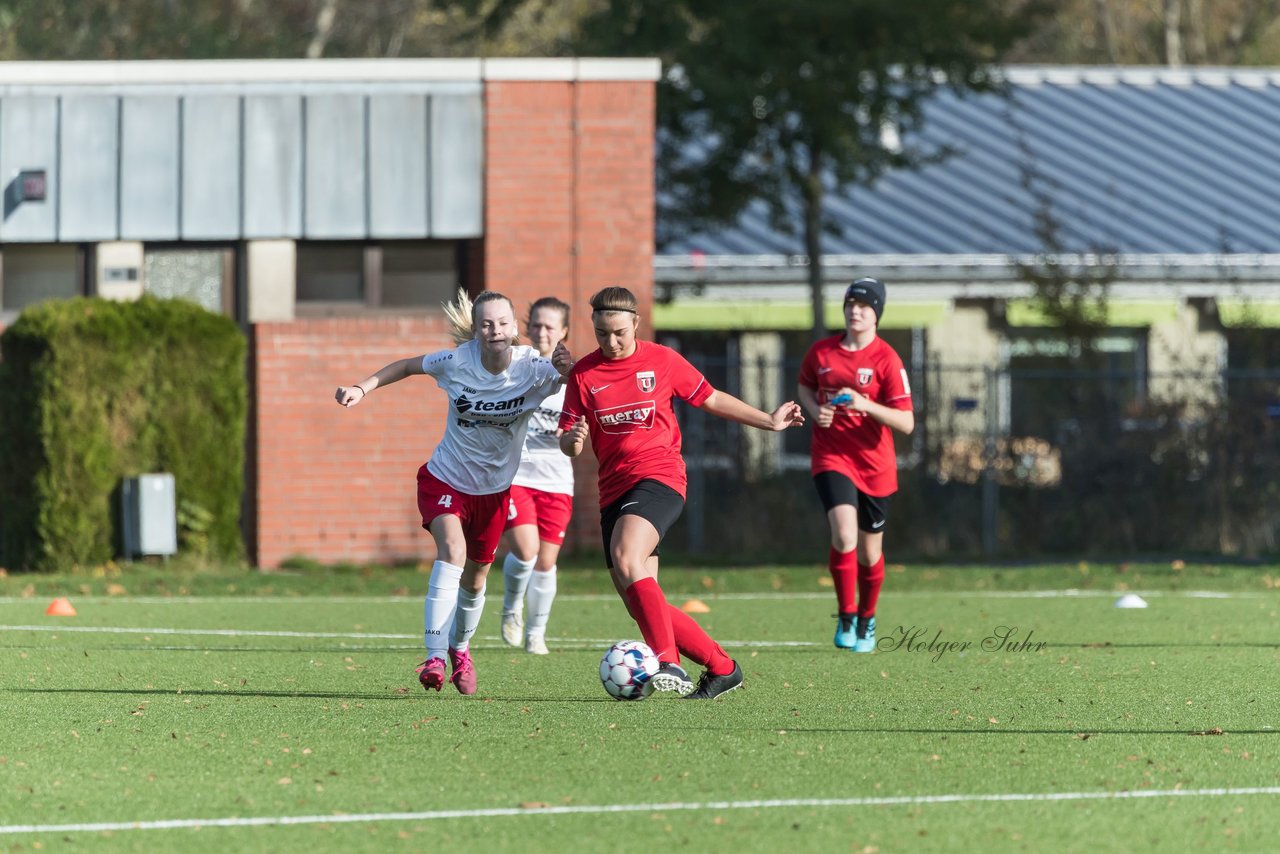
(233, 633)
(268, 633)
(588, 809)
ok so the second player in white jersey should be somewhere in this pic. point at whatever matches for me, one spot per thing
(541, 501)
(489, 414)
(542, 464)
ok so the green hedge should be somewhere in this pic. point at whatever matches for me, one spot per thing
(94, 391)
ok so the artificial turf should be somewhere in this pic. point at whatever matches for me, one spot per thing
(1000, 713)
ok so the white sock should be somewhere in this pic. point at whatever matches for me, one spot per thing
(439, 607)
(470, 607)
(515, 578)
(542, 592)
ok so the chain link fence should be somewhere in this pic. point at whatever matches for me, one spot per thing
(1009, 464)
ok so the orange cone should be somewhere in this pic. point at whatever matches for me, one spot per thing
(60, 607)
(695, 606)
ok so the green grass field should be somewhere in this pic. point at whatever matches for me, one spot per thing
(284, 715)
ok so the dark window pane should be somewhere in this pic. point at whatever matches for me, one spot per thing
(418, 274)
(330, 272)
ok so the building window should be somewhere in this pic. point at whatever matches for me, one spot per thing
(398, 275)
(331, 272)
(418, 274)
(1056, 384)
(34, 273)
(202, 276)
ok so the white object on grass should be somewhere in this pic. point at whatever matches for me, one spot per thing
(1131, 600)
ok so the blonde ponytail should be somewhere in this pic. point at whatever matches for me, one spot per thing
(458, 313)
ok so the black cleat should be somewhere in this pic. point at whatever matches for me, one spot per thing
(671, 677)
(710, 687)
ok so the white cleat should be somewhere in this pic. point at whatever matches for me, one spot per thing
(536, 645)
(512, 628)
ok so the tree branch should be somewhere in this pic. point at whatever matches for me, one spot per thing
(324, 28)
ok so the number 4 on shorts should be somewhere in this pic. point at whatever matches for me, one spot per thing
(445, 501)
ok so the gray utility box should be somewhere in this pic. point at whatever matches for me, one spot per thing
(149, 514)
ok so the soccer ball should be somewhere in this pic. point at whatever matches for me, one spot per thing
(626, 670)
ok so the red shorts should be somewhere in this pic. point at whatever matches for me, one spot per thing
(550, 511)
(481, 515)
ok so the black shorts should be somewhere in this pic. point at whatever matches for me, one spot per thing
(655, 502)
(835, 489)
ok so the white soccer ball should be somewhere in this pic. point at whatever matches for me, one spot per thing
(626, 670)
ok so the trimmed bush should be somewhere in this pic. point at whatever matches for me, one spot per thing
(93, 391)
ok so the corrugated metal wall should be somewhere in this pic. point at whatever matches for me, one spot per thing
(305, 162)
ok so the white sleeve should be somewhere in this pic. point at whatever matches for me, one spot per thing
(437, 364)
(547, 372)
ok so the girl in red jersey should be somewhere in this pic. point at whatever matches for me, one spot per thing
(621, 396)
(856, 390)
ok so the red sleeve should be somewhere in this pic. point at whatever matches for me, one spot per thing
(808, 369)
(895, 390)
(688, 384)
(572, 410)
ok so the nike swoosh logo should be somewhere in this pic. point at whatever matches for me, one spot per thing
(879, 524)
(628, 504)
(598, 389)
(824, 370)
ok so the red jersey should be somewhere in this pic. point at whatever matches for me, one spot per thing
(856, 445)
(627, 404)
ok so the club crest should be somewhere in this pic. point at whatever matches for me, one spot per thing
(864, 376)
(647, 381)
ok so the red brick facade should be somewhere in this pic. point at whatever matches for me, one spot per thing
(568, 210)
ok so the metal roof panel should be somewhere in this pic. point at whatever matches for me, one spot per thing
(1133, 160)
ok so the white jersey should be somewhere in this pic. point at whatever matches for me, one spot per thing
(488, 414)
(543, 466)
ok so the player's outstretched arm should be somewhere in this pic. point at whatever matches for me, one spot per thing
(725, 405)
(394, 372)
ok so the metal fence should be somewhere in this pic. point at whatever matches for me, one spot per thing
(1011, 464)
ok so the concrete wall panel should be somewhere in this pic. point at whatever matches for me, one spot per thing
(150, 160)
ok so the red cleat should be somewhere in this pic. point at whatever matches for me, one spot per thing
(431, 674)
(464, 672)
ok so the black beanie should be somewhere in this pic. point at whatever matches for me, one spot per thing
(870, 291)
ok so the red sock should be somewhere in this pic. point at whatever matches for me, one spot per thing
(648, 606)
(869, 580)
(697, 645)
(844, 572)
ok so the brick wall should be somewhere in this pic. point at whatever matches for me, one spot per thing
(565, 215)
(339, 484)
(568, 215)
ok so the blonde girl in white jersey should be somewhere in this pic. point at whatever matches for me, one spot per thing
(494, 386)
(541, 501)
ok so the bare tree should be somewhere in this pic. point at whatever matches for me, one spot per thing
(1106, 30)
(325, 16)
(1197, 47)
(1173, 33)
(1253, 20)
